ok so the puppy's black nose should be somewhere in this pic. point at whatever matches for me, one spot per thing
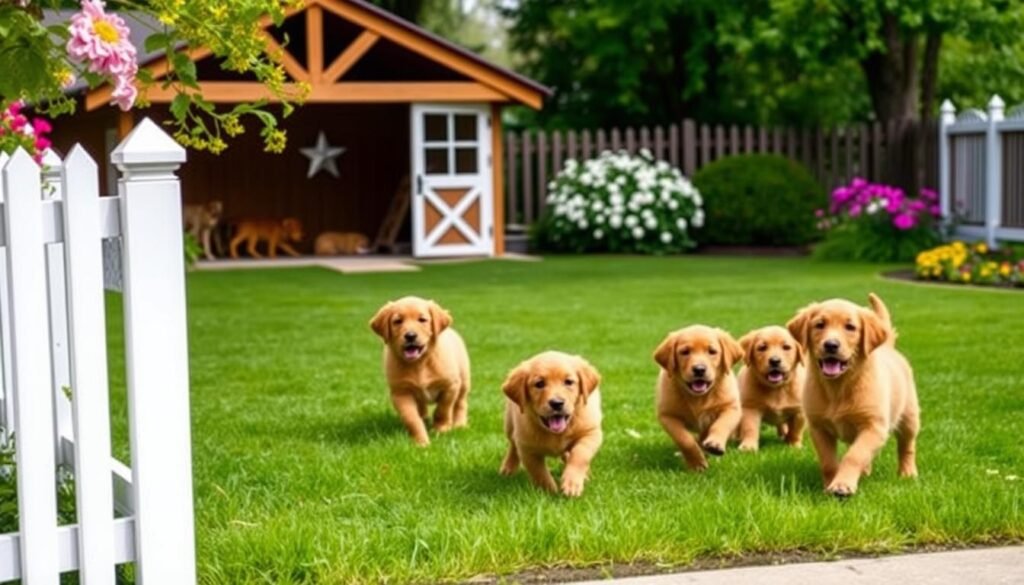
(410, 336)
(775, 362)
(699, 370)
(556, 403)
(831, 345)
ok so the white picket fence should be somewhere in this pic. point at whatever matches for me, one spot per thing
(53, 336)
(981, 171)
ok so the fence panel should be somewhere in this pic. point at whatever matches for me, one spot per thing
(1013, 179)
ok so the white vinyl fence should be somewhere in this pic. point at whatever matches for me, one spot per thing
(54, 343)
(981, 171)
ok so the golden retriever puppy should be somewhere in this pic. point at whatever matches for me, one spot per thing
(277, 234)
(859, 390)
(425, 362)
(697, 391)
(553, 410)
(771, 386)
(341, 244)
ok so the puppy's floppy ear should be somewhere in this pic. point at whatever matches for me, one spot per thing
(665, 355)
(748, 343)
(732, 352)
(515, 385)
(589, 377)
(799, 347)
(873, 331)
(800, 325)
(380, 324)
(440, 319)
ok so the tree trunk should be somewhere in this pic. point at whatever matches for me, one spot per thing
(930, 74)
(892, 74)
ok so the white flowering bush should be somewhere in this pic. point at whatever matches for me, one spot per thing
(620, 203)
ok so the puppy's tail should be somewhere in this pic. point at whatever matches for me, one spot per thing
(883, 313)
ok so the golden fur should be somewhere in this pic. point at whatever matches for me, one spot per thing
(201, 220)
(277, 234)
(541, 392)
(859, 390)
(425, 362)
(706, 404)
(771, 386)
(341, 243)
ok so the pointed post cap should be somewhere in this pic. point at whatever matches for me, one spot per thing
(947, 107)
(996, 105)
(148, 149)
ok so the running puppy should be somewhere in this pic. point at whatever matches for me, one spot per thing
(425, 362)
(697, 391)
(553, 410)
(860, 389)
(771, 386)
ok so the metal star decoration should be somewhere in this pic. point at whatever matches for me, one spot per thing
(322, 157)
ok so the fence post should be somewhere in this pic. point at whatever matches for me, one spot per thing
(7, 416)
(993, 170)
(31, 374)
(946, 118)
(86, 326)
(156, 354)
(57, 295)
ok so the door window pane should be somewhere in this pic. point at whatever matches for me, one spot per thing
(465, 160)
(465, 127)
(436, 161)
(435, 127)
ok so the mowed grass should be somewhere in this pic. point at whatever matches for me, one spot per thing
(304, 474)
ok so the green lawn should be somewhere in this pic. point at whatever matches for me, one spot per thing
(304, 474)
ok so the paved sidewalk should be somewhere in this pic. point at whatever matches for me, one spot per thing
(985, 566)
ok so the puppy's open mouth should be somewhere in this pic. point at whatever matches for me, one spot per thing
(775, 376)
(556, 423)
(412, 351)
(699, 386)
(832, 367)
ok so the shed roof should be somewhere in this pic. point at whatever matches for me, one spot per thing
(484, 81)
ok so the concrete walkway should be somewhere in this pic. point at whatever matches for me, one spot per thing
(986, 566)
(344, 264)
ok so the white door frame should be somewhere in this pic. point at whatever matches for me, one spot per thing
(423, 185)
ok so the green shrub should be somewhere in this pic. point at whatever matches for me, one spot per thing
(760, 200)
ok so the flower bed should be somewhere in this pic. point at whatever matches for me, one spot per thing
(959, 262)
(619, 203)
(878, 223)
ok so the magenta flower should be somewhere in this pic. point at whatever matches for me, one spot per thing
(102, 41)
(904, 221)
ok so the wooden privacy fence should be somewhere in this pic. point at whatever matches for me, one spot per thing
(981, 171)
(901, 153)
(53, 333)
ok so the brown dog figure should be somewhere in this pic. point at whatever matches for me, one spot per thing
(201, 220)
(277, 234)
(425, 362)
(771, 386)
(553, 410)
(697, 391)
(341, 243)
(859, 390)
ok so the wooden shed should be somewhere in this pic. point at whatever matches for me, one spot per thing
(418, 120)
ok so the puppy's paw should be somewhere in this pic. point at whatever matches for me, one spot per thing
(696, 462)
(443, 427)
(841, 489)
(908, 471)
(509, 468)
(423, 441)
(795, 444)
(714, 447)
(748, 446)
(572, 484)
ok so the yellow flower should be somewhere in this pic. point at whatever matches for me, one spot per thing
(981, 248)
(1004, 269)
(965, 276)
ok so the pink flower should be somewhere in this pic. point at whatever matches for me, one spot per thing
(103, 41)
(904, 221)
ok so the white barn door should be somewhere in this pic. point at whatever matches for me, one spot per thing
(452, 191)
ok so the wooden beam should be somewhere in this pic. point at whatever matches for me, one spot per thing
(289, 62)
(498, 179)
(230, 92)
(125, 123)
(350, 56)
(315, 42)
(432, 50)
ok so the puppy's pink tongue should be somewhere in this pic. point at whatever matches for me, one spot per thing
(832, 367)
(557, 424)
(775, 377)
(412, 352)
